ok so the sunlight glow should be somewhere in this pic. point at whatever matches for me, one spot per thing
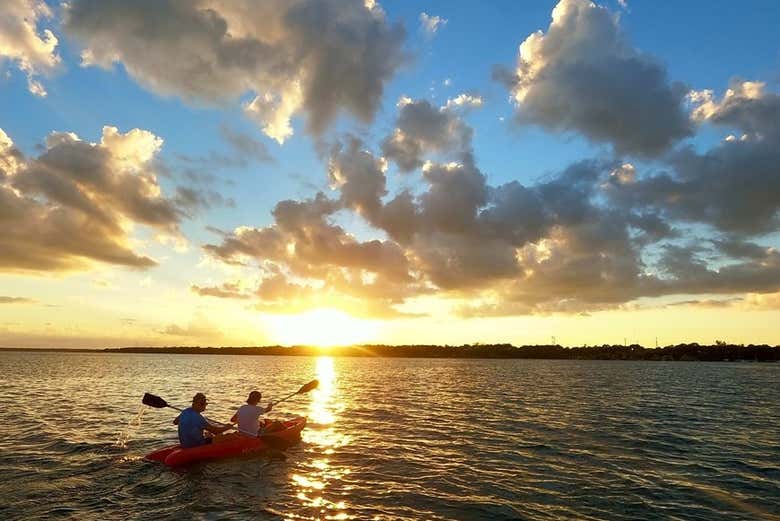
(321, 327)
(321, 437)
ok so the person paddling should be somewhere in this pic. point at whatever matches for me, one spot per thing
(192, 424)
(248, 415)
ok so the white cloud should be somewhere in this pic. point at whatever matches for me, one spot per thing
(33, 53)
(273, 112)
(463, 100)
(431, 24)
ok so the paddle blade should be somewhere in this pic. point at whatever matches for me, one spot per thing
(154, 401)
(309, 386)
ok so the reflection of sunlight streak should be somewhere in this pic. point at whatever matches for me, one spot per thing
(323, 437)
(305, 482)
(320, 411)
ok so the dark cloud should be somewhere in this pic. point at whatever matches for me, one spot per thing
(583, 75)
(734, 187)
(319, 56)
(16, 300)
(422, 129)
(359, 176)
(99, 179)
(226, 290)
(709, 303)
(691, 274)
(72, 204)
(738, 248)
(597, 235)
(193, 200)
(244, 145)
(201, 168)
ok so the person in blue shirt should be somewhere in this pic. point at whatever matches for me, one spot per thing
(192, 424)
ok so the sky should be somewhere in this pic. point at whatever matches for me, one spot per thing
(346, 171)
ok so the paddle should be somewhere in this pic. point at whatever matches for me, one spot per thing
(303, 390)
(158, 403)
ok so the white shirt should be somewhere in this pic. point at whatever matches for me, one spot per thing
(249, 419)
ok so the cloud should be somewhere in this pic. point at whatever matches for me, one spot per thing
(316, 57)
(463, 100)
(11, 158)
(762, 301)
(709, 303)
(193, 330)
(69, 339)
(359, 177)
(226, 290)
(690, 274)
(191, 199)
(597, 235)
(244, 145)
(735, 247)
(77, 202)
(584, 76)
(16, 300)
(733, 186)
(306, 260)
(745, 105)
(34, 53)
(422, 129)
(430, 24)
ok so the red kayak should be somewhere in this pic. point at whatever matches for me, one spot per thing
(234, 444)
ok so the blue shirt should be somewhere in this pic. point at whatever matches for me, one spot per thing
(191, 425)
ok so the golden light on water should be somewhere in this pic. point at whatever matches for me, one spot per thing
(321, 327)
(322, 436)
(320, 409)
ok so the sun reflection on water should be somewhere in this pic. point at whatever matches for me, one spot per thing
(322, 438)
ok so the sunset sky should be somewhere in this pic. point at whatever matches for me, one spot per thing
(212, 172)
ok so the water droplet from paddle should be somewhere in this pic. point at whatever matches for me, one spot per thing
(130, 429)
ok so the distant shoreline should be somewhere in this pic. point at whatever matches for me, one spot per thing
(680, 352)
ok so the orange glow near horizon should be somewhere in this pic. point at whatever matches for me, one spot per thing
(322, 328)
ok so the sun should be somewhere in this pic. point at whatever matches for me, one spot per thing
(322, 328)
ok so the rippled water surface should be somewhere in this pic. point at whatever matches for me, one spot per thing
(396, 439)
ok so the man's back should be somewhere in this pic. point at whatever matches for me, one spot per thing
(248, 418)
(191, 425)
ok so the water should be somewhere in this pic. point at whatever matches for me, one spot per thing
(397, 439)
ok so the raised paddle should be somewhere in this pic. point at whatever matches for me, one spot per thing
(303, 390)
(158, 403)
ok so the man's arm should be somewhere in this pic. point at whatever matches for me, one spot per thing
(270, 406)
(216, 429)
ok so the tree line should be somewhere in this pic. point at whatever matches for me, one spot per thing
(717, 352)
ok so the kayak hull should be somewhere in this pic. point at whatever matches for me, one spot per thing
(230, 445)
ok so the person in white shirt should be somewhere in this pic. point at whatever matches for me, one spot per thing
(248, 416)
